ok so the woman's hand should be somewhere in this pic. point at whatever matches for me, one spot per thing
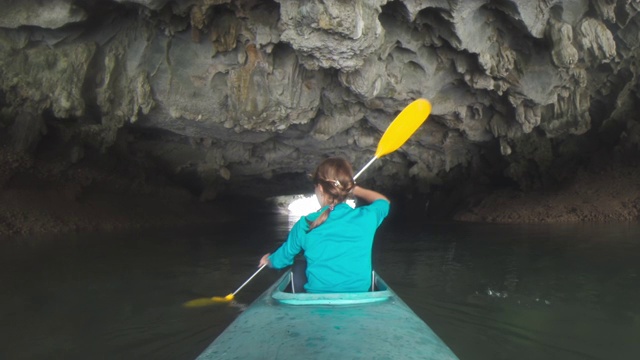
(265, 260)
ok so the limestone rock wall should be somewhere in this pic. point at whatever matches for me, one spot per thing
(247, 95)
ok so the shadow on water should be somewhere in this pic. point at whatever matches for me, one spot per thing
(490, 291)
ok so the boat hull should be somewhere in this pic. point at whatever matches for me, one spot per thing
(373, 325)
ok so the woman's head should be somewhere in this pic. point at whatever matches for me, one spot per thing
(333, 180)
(334, 176)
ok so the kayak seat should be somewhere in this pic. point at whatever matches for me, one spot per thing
(297, 279)
(282, 293)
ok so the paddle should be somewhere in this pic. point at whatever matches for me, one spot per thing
(397, 133)
(401, 129)
(220, 299)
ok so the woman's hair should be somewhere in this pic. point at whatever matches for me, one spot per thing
(335, 175)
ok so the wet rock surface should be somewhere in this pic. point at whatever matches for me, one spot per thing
(612, 197)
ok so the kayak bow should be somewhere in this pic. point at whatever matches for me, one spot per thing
(367, 325)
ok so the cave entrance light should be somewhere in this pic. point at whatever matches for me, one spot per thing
(304, 204)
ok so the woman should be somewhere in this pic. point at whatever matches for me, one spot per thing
(337, 239)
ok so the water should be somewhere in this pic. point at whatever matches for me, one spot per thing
(523, 292)
(489, 291)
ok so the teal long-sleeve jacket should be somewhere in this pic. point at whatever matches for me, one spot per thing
(338, 252)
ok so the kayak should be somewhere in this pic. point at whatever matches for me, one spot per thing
(368, 325)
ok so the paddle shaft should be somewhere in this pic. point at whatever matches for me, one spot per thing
(365, 167)
(249, 279)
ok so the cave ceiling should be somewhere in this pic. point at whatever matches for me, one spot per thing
(247, 96)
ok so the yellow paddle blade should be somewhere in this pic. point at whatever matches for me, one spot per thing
(223, 299)
(404, 125)
(208, 301)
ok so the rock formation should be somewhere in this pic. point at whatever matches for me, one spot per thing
(245, 96)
